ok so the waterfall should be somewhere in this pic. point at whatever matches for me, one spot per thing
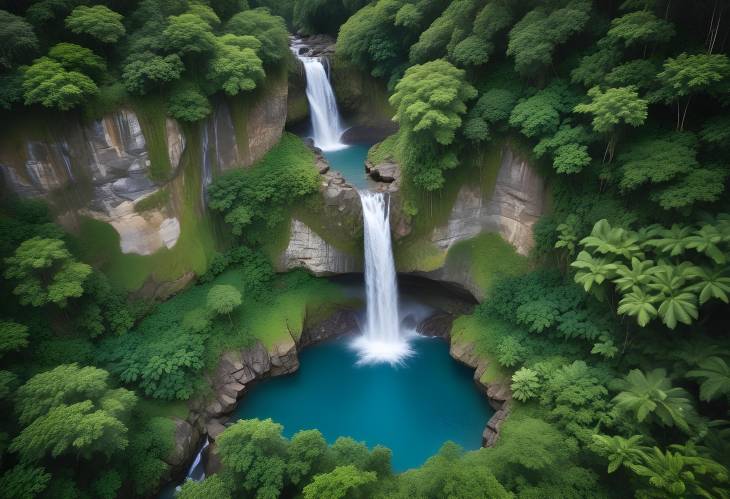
(207, 173)
(326, 124)
(197, 471)
(382, 340)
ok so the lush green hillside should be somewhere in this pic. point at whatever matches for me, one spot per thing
(611, 335)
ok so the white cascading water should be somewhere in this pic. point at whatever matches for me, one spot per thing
(382, 339)
(326, 123)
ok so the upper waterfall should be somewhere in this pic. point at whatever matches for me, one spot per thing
(325, 117)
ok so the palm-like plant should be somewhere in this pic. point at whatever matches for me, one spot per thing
(612, 240)
(706, 240)
(715, 373)
(651, 395)
(712, 284)
(678, 475)
(673, 241)
(638, 304)
(592, 271)
(676, 303)
(636, 275)
(619, 450)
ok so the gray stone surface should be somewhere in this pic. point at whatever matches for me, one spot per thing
(511, 210)
(306, 249)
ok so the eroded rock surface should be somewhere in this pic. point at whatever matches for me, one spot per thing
(106, 165)
(306, 249)
(498, 393)
(511, 210)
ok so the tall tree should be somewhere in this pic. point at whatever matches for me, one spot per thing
(98, 21)
(46, 272)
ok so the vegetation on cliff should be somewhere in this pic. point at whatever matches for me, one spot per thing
(612, 339)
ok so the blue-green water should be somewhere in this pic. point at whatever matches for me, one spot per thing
(351, 163)
(412, 409)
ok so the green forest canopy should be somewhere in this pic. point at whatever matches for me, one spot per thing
(615, 344)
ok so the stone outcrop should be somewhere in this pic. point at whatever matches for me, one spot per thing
(498, 393)
(106, 165)
(511, 210)
(340, 213)
(103, 169)
(236, 372)
(308, 250)
(225, 147)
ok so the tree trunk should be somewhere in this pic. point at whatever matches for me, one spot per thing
(684, 115)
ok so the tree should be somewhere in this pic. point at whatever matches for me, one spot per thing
(442, 34)
(48, 83)
(476, 49)
(254, 455)
(613, 107)
(534, 38)
(681, 474)
(77, 58)
(430, 101)
(341, 482)
(568, 147)
(17, 39)
(24, 481)
(235, 67)
(146, 70)
(210, 488)
(640, 27)
(188, 34)
(657, 160)
(13, 337)
(715, 375)
(63, 385)
(306, 452)
(269, 30)
(686, 75)
(449, 473)
(98, 21)
(431, 98)
(77, 429)
(187, 103)
(525, 384)
(651, 396)
(223, 299)
(619, 450)
(46, 271)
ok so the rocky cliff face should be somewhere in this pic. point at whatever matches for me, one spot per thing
(511, 209)
(111, 170)
(306, 249)
(102, 170)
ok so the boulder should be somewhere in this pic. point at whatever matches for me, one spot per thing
(284, 359)
(387, 171)
(438, 324)
(185, 441)
(213, 428)
(339, 323)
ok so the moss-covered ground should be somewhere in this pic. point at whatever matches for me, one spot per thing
(489, 257)
(278, 318)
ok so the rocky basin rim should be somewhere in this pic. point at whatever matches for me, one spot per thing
(238, 371)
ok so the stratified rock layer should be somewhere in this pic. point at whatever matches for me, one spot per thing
(511, 209)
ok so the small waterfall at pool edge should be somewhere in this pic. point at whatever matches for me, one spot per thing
(382, 339)
(325, 117)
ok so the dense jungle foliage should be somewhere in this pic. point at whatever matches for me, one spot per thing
(615, 343)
